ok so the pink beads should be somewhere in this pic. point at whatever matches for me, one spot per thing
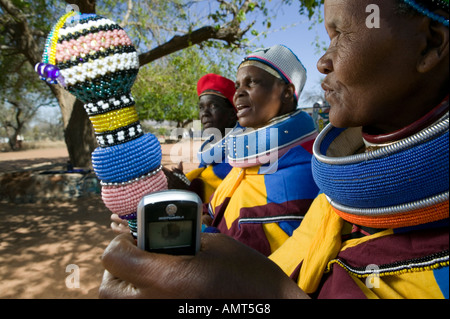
(124, 199)
(92, 42)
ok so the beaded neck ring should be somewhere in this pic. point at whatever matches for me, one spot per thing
(93, 58)
(421, 8)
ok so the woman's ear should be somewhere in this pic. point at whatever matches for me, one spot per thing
(437, 48)
(291, 95)
(289, 92)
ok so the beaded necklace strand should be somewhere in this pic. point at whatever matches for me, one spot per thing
(49, 55)
(421, 9)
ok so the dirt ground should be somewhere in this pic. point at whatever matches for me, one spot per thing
(46, 248)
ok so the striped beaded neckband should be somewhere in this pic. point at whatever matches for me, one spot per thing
(400, 185)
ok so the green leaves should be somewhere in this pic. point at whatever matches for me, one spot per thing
(167, 88)
(310, 6)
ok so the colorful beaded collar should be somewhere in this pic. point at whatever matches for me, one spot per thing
(249, 147)
(212, 152)
(403, 184)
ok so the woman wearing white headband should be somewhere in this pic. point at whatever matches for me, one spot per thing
(270, 188)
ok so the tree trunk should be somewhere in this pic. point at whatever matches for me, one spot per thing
(79, 137)
(78, 131)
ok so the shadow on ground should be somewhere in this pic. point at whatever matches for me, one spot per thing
(39, 241)
(41, 234)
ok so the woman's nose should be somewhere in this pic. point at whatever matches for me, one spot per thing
(325, 64)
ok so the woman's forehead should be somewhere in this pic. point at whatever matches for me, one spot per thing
(251, 70)
(211, 98)
(335, 9)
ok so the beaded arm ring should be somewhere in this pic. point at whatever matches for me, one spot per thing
(93, 58)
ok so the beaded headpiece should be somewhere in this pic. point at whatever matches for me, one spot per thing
(283, 62)
(93, 58)
(427, 8)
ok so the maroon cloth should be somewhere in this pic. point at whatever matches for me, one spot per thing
(394, 249)
(253, 234)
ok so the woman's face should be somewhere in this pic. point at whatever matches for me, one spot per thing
(258, 97)
(216, 112)
(370, 72)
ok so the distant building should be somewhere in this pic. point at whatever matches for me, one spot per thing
(319, 112)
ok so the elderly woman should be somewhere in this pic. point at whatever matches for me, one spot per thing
(380, 229)
(270, 188)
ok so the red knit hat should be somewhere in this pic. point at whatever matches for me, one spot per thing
(215, 84)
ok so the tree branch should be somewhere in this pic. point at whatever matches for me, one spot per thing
(7, 47)
(231, 35)
(177, 43)
(22, 35)
(127, 14)
(13, 10)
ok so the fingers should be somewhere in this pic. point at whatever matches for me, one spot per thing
(115, 288)
(166, 170)
(119, 228)
(224, 268)
(134, 273)
(124, 260)
(118, 225)
(207, 220)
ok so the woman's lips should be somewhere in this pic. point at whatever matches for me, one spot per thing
(328, 90)
(242, 110)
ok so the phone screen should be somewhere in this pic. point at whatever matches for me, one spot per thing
(170, 234)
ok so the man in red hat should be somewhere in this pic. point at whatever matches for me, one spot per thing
(218, 115)
(215, 103)
(216, 111)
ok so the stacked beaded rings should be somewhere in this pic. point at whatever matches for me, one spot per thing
(94, 59)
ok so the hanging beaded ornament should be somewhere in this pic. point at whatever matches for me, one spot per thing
(93, 58)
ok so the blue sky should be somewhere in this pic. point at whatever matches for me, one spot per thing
(292, 30)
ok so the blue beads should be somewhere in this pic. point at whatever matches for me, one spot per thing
(403, 177)
(427, 12)
(125, 162)
(48, 72)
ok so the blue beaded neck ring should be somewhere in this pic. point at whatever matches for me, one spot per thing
(442, 4)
